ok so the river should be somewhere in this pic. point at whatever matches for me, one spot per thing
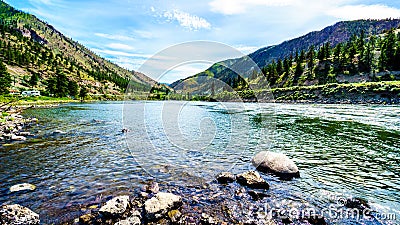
(341, 151)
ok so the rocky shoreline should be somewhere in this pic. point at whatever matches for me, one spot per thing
(229, 199)
(13, 126)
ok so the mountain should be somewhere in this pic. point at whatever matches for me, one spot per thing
(338, 33)
(34, 53)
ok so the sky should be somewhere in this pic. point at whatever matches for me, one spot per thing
(129, 32)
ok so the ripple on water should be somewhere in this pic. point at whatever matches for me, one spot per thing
(340, 150)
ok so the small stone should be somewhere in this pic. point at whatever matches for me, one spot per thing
(160, 204)
(25, 134)
(22, 187)
(174, 215)
(18, 215)
(116, 206)
(85, 219)
(357, 203)
(316, 220)
(257, 195)
(252, 179)
(207, 219)
(133, 220)
(18, 138)
(59, 132)
(152, 188)
(225, 177)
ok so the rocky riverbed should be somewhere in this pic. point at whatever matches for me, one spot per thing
(244, 198)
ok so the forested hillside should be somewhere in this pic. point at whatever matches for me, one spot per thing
(37, 56)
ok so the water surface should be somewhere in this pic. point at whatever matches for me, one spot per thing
(341, 150)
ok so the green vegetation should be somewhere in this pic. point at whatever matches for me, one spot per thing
(5, 79)
(331, 64)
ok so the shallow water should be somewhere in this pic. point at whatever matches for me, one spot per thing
(341, 151)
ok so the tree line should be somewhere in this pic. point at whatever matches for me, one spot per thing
(359, 55)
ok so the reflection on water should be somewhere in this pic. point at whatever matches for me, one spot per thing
(340, 149)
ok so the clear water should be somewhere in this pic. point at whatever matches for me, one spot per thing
(341, 151)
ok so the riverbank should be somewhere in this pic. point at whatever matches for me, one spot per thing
(242, 199)
(384, 92)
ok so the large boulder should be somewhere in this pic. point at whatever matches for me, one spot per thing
(22, 187)
(18, 215)
(115, 207)
(276, 163)
(159, 205)
(252, 179)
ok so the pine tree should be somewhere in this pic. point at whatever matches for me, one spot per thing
(5, 79)
(83, 93)
(72, 88)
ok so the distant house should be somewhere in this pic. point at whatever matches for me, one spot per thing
(14, 92)
(31, 93)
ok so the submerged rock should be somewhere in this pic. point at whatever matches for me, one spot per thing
(22, 187)
(276, 163)
(257, 195)
(252, 179)
(18, 138)
(316, 220)
(116, 206)
(159, 205)
(357, 203)
(18, 215)
(59, 132)
(225, 177)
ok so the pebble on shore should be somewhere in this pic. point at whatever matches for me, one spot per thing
(13, 127)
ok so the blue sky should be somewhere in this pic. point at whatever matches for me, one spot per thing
(130, 31)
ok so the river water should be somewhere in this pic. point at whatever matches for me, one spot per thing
(341, 150)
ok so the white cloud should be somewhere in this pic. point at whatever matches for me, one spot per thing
(120, 53)
(187, 20)
(120, 46)
(144, 34)
(231, 7)
(247, 49)
(353, 12)
(117, 37)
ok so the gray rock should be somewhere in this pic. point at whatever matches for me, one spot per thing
(25, 134)
(225, 177)
(252, 179)
(133, 220)
(152, 188)
(18, 215)
(18, 138)
(22, 187)
(116, 206)
(159, 205)
(276, 163)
